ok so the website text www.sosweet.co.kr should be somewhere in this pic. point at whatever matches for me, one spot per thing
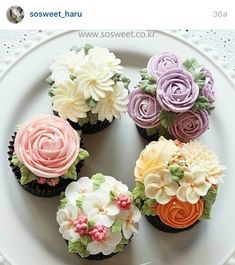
(117, 34)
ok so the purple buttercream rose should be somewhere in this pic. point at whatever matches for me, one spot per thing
(144, 109)
(189, 125)
(176, 91)
(159, 64)
(208, 90)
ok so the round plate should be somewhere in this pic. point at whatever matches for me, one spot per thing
(28, 230)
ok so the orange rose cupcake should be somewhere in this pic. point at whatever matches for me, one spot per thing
(176, 183)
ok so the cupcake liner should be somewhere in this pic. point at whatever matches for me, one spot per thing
(88, 128)
(156, 222)
(41, 190)
(154, 137)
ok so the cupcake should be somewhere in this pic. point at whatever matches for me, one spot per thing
(173, 99)
(96, 217)
(45, 155)
(88, 88)
(176, 183)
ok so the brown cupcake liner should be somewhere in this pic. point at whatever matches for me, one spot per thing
(33, 187)
(88, 128)
(157, 223)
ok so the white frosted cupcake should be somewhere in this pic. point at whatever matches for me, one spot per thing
(97, 217)
(88, 88)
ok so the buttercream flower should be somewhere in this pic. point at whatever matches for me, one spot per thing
(66, 65)
(47, 146)
(208, 89)
(100, 209)
(176, 90)
(193, 185)
(112, 184)
(160, 186)
(159, 64)
(65, 218)
(94, 79)
(82, 187)
(199, 154)
(189, 125)
(178, 214)
(106, 246)
(144, 109)
(154, 157)
(130, 220)
(69, 102)
(105, 57)
(114, 103)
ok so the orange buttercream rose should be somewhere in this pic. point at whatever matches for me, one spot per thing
(179, 214)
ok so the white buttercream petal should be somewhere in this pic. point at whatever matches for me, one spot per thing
(181, 193)
(152, 179)
(94, 247)
(163, 198)
(151, 191)
(171, 188)
(191, 196)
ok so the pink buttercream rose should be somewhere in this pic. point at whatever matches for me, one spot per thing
(47, 146)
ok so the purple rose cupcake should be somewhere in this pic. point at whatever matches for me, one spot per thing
(173, 99)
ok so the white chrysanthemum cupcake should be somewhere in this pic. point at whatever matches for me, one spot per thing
(88, 88)
(97, 217)
(176, 183)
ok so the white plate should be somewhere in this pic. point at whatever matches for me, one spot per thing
(28, 230)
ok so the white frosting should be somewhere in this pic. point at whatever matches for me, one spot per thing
(69, 102)
(94, 79)
(65, 65)
(106, 58)
(114, 104)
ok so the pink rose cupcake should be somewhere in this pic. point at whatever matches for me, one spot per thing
(45, 155)
(173, 99)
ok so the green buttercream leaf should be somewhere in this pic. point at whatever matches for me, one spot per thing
(125, 80)
(209, 200)
(117, 226)
(201, 103)
(190, 64)
(15, 161)
(152, 131)
(76, 49)
(91, 103)
(87, 47)
(144, 73)
(97, 180)
(50, 81)
(71, 173)
(113, 195)
(146, 208)
(83, 154)
(148, 86)
(63, 203)
(90, 224)
(176, 172)
(199, 79)
(93, 118)
(85, 240)
(82, 121)
(26, 175)
(167, 118)
(79, 201)
(121, 245)
(138, 191)
(76, 246)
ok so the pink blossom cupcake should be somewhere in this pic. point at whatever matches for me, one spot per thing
(173, 99)
(97, 217)
(45, 155)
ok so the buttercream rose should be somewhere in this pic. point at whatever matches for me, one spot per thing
(190, 125)
(177, 91)
(154, 157)
(179, 214)
(47, 146)
(158, 64)
(144, 109)
(208, 90)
